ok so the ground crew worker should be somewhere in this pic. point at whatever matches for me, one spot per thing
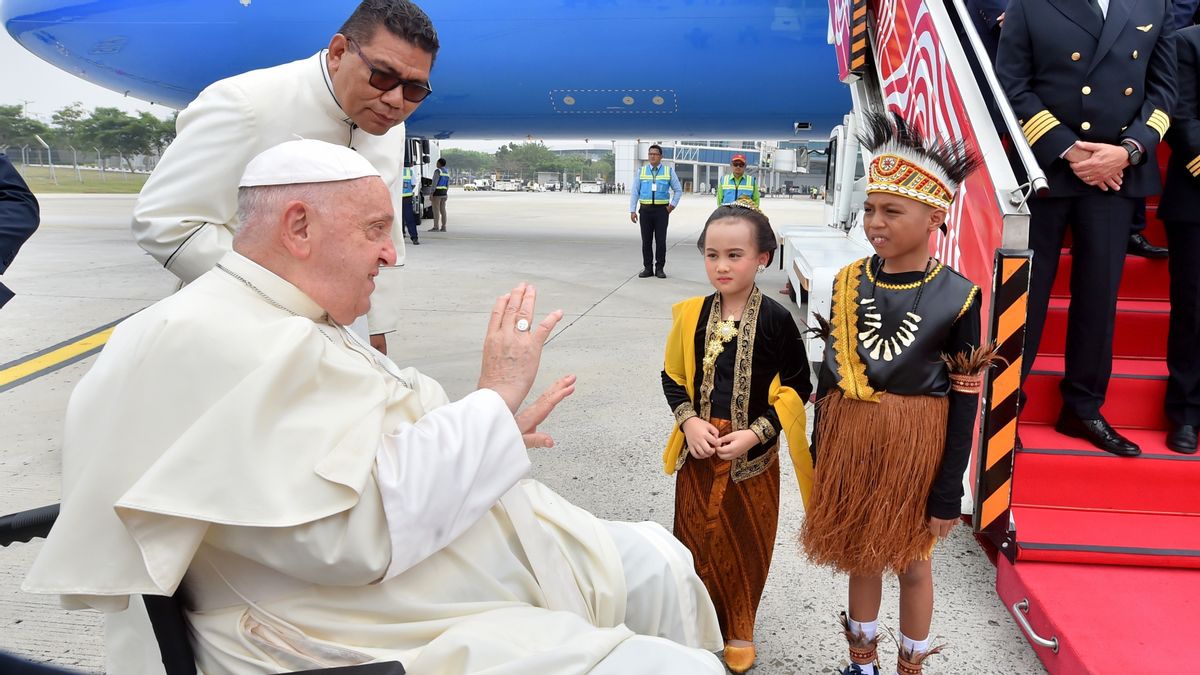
(650, 200)
(737, 184)
(410, 218)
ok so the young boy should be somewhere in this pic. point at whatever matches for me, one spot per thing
(894, 419)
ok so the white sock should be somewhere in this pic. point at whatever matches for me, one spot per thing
(868, 629)
(911, 646)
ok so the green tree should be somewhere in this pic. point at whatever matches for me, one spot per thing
(116, 131)
(469, 161)
(67, 124)
(17, 130)
(525, 160)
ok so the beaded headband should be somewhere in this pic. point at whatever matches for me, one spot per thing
(908, 164)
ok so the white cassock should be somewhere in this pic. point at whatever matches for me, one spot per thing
(186, 214)
(323, 507)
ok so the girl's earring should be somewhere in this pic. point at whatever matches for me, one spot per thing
(761, 268)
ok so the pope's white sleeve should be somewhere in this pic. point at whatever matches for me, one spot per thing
(184, 215)
(438, 476)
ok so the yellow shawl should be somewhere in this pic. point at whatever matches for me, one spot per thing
(680, 366)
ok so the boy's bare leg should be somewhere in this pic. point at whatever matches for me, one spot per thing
(866, 593)
(916, 599)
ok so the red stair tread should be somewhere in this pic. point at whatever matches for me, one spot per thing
(1127, 368)
(1081, 535)
(1140, 331)
(1152, 442)
(1143, 279)
(1107, 619)
(1158, 481)
(1133, 402)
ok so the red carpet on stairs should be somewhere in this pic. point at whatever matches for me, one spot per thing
(1108, 548)
(1109, 620)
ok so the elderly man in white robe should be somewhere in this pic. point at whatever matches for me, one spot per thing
(357, 93)
(323, 507)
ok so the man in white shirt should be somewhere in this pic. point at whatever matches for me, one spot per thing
(356, 93)
(323, 507)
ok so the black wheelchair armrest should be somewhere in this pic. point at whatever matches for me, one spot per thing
(27, 525)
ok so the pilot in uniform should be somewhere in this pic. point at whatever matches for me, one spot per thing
(1084, 77)
(1180, 211)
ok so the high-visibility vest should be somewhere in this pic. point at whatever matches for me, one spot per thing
(731, 190)
(443, 180)
(655, 186)
(408, 182)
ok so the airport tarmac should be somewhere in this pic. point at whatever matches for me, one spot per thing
(82, 270)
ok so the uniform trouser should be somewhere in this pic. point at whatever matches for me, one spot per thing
(1099, 224)
(653, 219)
(1183, 358)
(409, 217)
(439, 211)
(1139, 217)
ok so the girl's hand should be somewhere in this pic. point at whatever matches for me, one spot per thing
(940, 527)
(702, 437)
(734, 445)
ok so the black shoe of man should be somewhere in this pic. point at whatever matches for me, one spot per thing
(646, 272)
(1140, 246)
(1182, 439)
(1098, 432)
(660, 273)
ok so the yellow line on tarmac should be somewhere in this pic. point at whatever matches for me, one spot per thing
(53, 358)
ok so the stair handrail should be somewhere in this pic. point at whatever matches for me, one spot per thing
(1037, 177)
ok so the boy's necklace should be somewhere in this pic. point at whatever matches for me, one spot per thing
(904, 335)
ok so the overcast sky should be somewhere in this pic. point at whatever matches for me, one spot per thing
(26, 78)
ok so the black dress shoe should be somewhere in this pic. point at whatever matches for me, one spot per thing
(647, 272)
(1138, 245)
(1098, 433)
(660, 273)
(1182, 439)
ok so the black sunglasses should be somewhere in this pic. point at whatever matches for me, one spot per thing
(739, 164)
(414, 92)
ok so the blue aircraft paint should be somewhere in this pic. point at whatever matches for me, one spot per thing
(549, 68)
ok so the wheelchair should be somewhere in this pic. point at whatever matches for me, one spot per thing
(165, 612)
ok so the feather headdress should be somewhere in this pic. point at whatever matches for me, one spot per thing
(908, 164)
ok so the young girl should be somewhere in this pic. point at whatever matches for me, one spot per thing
(897, 396)
(736, 376)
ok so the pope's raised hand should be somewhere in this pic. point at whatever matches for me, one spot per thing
(535, 413)
(512, 348)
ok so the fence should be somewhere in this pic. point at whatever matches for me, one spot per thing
(66, 165)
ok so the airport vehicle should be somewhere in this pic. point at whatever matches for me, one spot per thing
(507, 185)
(1098, 572)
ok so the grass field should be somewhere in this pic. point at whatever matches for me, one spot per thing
(112, 182)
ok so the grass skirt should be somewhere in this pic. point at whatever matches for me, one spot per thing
(876, 463)
(730, 529)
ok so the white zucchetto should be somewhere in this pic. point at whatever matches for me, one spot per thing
(305, 161)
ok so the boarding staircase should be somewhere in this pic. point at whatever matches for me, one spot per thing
(1107, 548)
(1098, 557)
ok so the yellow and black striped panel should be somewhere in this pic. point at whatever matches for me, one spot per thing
(993, 485)
(858, 37)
